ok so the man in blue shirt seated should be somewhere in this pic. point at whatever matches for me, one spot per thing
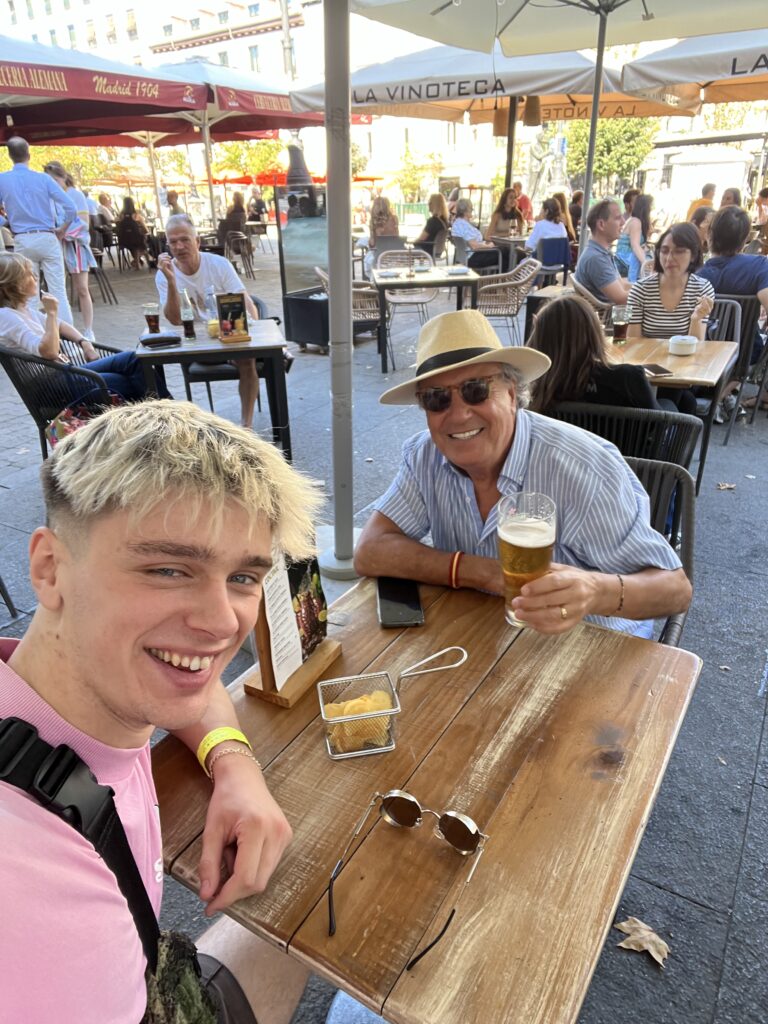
(610, 567)
(30, 199)
(596, 269)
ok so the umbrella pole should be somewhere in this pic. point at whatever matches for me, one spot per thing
(153, 168)
(206, 133)
(511, 128)
(593, 125)
(337, 564)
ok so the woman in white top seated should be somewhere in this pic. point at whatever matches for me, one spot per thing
(483, 254)
(549, 225)
(24, 329)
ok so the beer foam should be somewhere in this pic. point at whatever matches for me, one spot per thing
(526, 532)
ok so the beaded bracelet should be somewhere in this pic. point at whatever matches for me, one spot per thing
(229, 750)
(216, 736)
(621, 599)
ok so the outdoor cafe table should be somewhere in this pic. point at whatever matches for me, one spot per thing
(266, 344)
(435, 278)
(706, 368)
(555, 746)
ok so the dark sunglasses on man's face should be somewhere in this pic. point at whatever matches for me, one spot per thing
(473, 392)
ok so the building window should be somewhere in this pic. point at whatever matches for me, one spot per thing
(253, 10)
(90, 33)
(34, 37)
(223, 17)
(72, 36)
(253, 52)
(53, 37)
(30, 10)
(48, 6)
(167, 30)
(67, 4)
(130, 18)
(224, 59)
(111, 30)
(194, 24)
(12, 11)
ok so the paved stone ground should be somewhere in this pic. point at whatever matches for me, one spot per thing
(700, 876)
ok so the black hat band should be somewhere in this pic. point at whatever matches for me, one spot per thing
(458, 355)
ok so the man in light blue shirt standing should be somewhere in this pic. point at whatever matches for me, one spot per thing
(31, 200)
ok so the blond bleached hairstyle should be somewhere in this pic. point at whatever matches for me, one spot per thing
(135, 457)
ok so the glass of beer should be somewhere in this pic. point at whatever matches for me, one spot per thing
(526, 533)
(152, 316)
(620, 318)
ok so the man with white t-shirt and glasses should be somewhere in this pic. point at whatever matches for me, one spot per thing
(199, 272)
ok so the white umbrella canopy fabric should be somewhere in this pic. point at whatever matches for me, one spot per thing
(726, 68)
(546, 26)
(444, 82)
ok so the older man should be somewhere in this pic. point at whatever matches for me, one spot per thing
(160, 524)
(596, 269)
(200, 273)
(610, 566)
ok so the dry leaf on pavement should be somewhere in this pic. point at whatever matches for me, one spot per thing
(726, 487)
(643, 939)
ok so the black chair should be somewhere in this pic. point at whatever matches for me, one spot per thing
(203, 372)
(735, 318)
(7, 598)
(554, 254)
(639, 433)
(670, 486)
(46, 387)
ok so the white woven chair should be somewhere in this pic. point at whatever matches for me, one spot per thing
(408, 259)
(501, 296)
(365, 301)
(603, 309)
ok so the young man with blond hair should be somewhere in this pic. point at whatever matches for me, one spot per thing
(161, 522)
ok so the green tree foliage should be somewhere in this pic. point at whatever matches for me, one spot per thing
(357, 158)
(417, 174)
(84, 163)
(247, 157)
(620, 148)
(172, 163)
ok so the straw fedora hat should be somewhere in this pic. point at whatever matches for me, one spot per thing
(463, 338)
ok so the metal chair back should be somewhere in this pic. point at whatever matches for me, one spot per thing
(670, 487)
(46, 387)
(638, 433)
(735, 318)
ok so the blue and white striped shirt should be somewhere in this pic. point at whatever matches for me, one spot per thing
(603, 517)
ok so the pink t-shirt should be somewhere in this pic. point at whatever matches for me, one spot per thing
(69, 948)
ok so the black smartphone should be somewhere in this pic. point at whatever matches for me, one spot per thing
(399, 603)
(656, 370)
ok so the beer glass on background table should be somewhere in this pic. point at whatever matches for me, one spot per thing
(620, 319)
(526, 535)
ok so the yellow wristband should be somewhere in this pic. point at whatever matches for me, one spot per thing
(216, 736)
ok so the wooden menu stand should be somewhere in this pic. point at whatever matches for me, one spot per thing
(259, 681)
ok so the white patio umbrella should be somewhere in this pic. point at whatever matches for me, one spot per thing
(726, 68)
(547, 26)
(446, 82)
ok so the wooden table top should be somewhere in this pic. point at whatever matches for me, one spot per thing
(556, 747)
(702, 369)
(265, 334)
(552, 291)
(437, 277)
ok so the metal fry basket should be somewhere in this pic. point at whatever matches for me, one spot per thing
(359, 711)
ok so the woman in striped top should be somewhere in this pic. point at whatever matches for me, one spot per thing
(672, 300)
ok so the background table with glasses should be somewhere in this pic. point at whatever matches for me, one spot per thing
(266, 344)
(556, 747)
(433, 278)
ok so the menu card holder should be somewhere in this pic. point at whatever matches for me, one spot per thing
(290, 634)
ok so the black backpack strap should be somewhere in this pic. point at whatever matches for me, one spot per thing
(61, 781)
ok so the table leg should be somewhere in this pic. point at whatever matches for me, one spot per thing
(383, 329)
(474, 292)
(150, 381)
(532, 304)
(277, 396)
